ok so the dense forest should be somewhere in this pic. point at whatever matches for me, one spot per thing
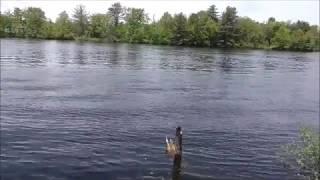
(207, 28)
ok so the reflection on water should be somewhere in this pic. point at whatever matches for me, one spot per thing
(101, 111)
(140, 56)
(114, 55)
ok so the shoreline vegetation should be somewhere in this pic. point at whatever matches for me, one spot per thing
(303, 155)
(207, 28)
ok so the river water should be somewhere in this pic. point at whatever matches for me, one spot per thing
(102, 111)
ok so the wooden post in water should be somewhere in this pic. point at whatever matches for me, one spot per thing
(176, 171)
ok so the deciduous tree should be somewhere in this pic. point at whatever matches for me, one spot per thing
(34, 21)
(63, 26)
(80, 19)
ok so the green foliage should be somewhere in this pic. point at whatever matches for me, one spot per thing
(212, 28)
(313, 36)
(251, 33)
(63, 27)
(269, 30)
(116, 12)
(34, 21)
(18, 24)
(213, 13)
(197, 35)
(6, 25)
(201, 29)
(228, 30)
(304, 154)
(281, 39)
(135, 20)
(179, 31)
(164, 29)
(48, 31)
(80, 20)
(300, 41)
(302, 25)
(119, 33)
(100, 25)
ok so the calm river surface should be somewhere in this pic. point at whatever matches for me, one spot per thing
(102, 111)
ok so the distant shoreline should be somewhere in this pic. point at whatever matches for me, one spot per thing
(207, 28)
(164, 45)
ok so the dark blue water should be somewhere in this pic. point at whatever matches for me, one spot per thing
(102, 111)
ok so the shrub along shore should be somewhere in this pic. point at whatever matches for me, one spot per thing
(207, 28)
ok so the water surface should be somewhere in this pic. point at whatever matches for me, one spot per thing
(101, 111)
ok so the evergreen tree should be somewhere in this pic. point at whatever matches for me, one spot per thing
(228, 32)
(213, 13)
(179, 31)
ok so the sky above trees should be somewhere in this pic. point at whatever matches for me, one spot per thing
(306, 10)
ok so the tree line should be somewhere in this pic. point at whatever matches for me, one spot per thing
(206, 28)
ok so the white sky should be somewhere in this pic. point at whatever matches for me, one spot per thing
(307, 10)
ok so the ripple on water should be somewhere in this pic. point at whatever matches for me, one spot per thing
(101, 111)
